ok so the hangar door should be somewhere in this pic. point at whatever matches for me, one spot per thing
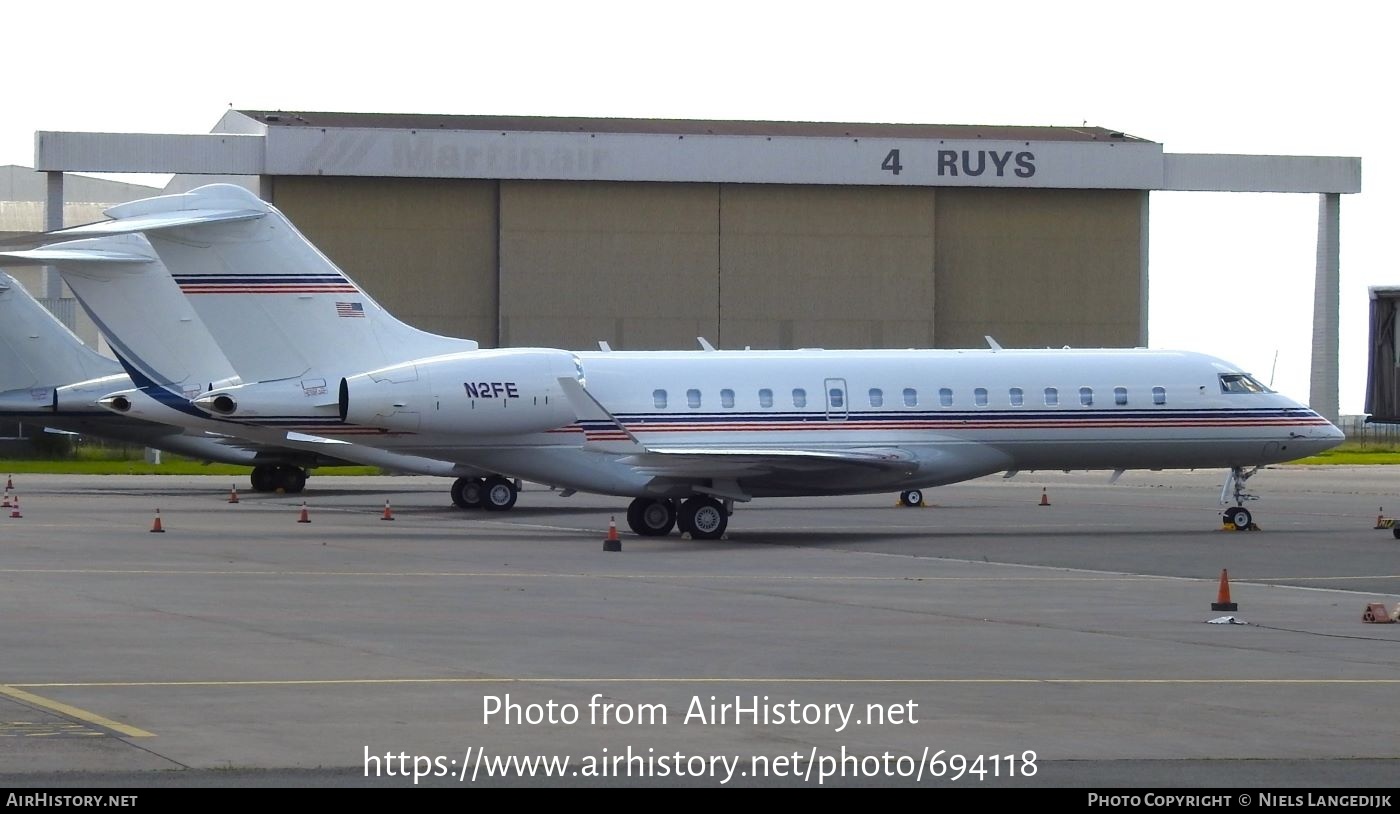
(633, 264)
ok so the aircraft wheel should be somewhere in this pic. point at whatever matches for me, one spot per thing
(650, 517)
(498, 494)
(1239, 517)
(912, 497)
(261, 478)
(704, 518)
(466, 493)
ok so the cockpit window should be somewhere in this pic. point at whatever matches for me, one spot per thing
(1241, 383)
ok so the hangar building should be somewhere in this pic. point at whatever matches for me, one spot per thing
(648, 233)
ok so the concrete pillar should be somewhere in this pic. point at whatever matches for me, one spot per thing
(53, 219)
(1143, 235)
(1326, 287)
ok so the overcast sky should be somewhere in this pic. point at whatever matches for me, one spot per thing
(1231, 274)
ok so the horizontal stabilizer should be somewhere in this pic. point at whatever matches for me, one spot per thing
(152, 222)
(63, 253)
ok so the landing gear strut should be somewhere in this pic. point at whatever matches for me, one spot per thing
(1237, 516)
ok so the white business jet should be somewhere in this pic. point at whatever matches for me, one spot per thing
(689, 433)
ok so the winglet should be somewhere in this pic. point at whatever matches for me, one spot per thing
(601, 430)
(704, 343)
(993, 344)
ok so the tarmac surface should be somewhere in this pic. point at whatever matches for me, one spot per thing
(1059, 645)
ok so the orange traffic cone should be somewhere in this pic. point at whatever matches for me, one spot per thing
(1222, 600)
(233, 494)
(6, 504)
(303, 518)
(388, 512)
(156, 527)
(14, 511)
(611, 542)
(9, 482)
(1044, 498)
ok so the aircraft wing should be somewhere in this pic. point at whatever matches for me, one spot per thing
(604, 433)
(706, 462)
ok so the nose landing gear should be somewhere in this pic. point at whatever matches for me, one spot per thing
(1237, 517)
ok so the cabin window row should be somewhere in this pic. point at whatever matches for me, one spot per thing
(836, 398)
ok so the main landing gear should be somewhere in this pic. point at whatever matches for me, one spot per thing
(494, 494)
(911, 497)
(702, 517)
(271, 477)
(1237, 516)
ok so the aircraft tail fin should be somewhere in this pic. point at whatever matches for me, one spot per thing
(277, 306)
(36, 350)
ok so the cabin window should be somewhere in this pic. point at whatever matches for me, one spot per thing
(835, 398)
(877, 397)
(658, 397)
(911, 397)
(1120, 396)
(979, 397)
(726, 398)
(1241, 383)
(799, 397)
(1159, 395)
(1052, 397)
(765, 398)
(1086, 396)
(1017, 397)
(692, 397)
(945, 396)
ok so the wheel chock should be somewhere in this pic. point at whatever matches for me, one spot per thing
(1376, 614)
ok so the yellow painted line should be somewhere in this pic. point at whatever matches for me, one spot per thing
(1095, 577)
(73, 712)
(313, 682)
(548, 575)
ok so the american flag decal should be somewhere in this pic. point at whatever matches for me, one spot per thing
(350, 309)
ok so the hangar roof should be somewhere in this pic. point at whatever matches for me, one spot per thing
(699, 127)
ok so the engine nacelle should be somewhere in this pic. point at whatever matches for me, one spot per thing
(84, 397)
(482, 392)
(27, 400)
(288, 398)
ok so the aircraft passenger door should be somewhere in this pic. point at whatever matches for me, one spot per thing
(836, 399)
